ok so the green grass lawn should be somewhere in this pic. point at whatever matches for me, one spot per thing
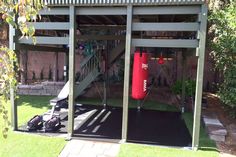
(152, 105)
(27, 145)
(136, 150)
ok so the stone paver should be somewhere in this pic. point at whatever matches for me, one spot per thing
(81, 148)
(214, 127)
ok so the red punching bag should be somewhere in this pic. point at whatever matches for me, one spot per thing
(140, 75)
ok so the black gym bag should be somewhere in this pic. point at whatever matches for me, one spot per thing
(35, 123)
(53, 124)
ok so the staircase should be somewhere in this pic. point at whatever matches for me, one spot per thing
(90, 67)
(116, 53)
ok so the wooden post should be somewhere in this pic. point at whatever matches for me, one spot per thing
(14, 119)
(23, 63)
(55, 67)
(71, 100)
(183, 94)
(105, 76)
(127, 71)
(65, 68)
(199, 80)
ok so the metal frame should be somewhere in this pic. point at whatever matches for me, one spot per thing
(129, 11)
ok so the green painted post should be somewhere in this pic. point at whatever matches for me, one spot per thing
(127, 71)
(71, 100)
(199, 80)
(14, 118)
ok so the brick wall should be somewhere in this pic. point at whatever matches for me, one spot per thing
(44, 88)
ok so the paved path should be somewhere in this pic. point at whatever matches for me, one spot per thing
(81, 148)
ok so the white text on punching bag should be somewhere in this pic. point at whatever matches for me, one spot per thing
(144, 66)
(144, 85)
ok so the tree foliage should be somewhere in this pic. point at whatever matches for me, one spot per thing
(7, 80)
(223, 20)
(26, 11)
(19, 14)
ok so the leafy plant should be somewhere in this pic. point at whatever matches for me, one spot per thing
(34, 76)
(8, 62)
(223, 48)
(41, 74)
(190, 86)
(27, 11)
(50, 73)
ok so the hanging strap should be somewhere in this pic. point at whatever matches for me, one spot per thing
(149, 91)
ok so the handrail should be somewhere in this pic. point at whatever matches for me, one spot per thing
(89, 64)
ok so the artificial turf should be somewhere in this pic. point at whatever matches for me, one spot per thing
(136, 150)
(151, 105)
(27, 145)
(207, 147)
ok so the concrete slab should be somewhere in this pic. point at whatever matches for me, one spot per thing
(217, 138)
(212, 121)
(81, 148)
(216, 130)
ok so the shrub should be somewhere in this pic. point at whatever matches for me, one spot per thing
(190, 86)
(223, 48)
(41, 74)
(50, 73)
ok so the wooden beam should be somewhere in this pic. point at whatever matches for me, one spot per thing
(109, 20)
(174, 43)
(101, 11)
(41, 48)
(199, 79)
(90, 26)
(121, 18)
(55, 11)
(101, 37)
(94, 19)
(46, 40)
(71, 99)
(14, 118)
(127, 72)
(191, 26)
(50, 25)
(167, 10)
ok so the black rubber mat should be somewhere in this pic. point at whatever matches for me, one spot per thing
(145, 126)
(158, 127)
